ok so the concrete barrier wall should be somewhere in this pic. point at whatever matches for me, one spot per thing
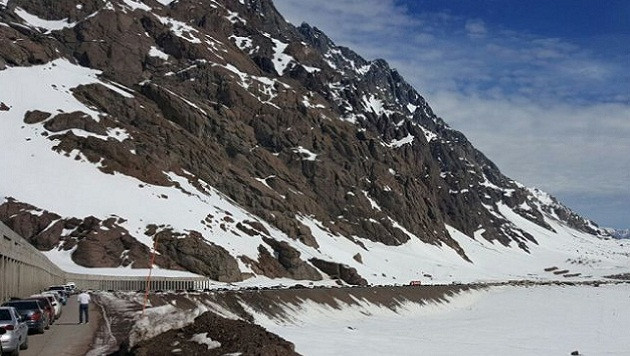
(24, 270)
(98, 282)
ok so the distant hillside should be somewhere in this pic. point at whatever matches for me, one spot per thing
(619, 233)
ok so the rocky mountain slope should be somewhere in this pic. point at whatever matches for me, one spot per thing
(248, 149)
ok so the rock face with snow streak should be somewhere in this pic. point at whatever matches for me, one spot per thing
(223, 128)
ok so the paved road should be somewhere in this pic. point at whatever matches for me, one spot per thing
(65, 337)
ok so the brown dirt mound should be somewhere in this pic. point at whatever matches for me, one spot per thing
(235, 336)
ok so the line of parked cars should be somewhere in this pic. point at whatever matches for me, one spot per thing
(20, 317)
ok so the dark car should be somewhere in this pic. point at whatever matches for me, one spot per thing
(32, 311)
(48, 307)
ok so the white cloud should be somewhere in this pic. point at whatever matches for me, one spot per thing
(561, 148)
(348, 17)
(475, 28)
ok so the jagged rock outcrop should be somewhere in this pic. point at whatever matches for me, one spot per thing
(339, 271)
(198, 256)
(33, 227)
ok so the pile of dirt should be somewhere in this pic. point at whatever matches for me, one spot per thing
(212, 334)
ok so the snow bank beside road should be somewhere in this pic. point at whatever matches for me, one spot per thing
(426, 320)
(540, 320)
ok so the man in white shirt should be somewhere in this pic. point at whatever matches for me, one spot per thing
(84, 304)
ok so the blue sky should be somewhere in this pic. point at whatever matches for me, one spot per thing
(541, 87)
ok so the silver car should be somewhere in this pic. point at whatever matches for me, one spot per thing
(61, 293)
(2, 332)
(16, 336)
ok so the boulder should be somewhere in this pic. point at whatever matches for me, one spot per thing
(197, 255)
(339, 271)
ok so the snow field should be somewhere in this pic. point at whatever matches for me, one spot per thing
(501, 320)
(48, 25)
(540, 320)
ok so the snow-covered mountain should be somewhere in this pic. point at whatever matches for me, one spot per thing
(618, 233)
(252, 151)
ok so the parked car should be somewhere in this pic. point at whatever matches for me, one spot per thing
(48, 307)
(61, 292)
(53, 301)
(2, 332)
(57, 296)
(32, 311)
(61, 289)
(16, 336)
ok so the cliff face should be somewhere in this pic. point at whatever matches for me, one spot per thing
(234, 125)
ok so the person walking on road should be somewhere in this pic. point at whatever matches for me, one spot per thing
(84, 304)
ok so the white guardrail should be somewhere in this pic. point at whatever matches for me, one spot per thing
(24, 270)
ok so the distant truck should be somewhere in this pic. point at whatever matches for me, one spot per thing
(415, 283)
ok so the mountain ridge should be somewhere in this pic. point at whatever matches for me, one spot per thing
(225, 101)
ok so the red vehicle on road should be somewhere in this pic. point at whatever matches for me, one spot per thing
(48, 307)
